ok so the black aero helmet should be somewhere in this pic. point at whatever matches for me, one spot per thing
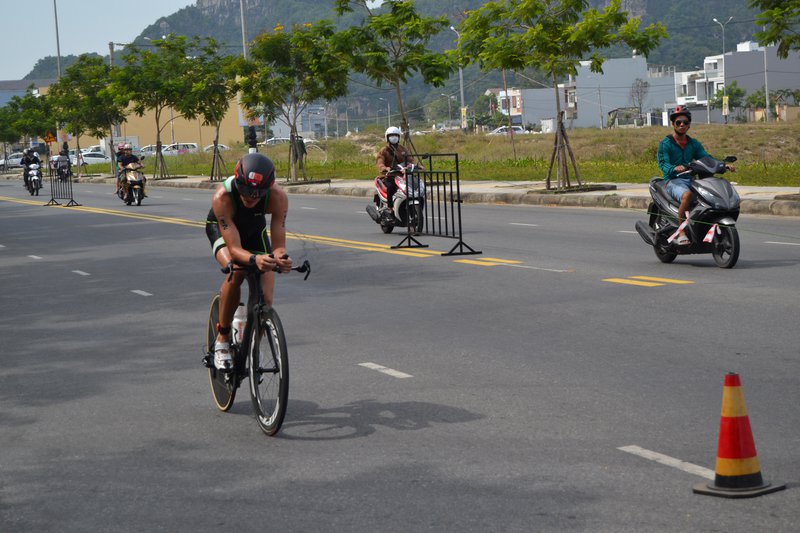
(680, 110)
(254, 175)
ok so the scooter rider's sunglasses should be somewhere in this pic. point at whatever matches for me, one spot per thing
(682, 122)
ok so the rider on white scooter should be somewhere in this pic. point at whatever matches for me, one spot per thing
(389, 157)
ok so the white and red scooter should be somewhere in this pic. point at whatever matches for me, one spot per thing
(409, 201)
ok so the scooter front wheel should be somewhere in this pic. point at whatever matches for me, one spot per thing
(726, 247)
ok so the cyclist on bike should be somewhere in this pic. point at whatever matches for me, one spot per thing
(237, 229)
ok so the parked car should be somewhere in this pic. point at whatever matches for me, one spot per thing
(90, 158)
(95, 148)
(180, 148)
(275, 140)
(503, 130)
(222, 147)
(284, 140)
(150, 149)
(13, 160)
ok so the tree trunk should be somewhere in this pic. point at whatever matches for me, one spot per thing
(510, 129)
(561, 149)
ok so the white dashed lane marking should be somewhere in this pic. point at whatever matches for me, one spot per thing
(787, 243)
(523, 224)
(669, 461)
(34, 257)
(387, 371)
(141, 293)
(81, 273)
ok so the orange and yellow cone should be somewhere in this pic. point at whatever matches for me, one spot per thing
(738, 473)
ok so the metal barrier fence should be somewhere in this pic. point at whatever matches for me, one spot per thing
(442, 203)
(61, 190)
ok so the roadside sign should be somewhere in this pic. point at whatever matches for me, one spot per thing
(725, 105)
(49, 138)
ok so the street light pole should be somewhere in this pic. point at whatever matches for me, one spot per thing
(460, 84)
(449, 109)
(244, 29)
(388, 112)
(58, 44)
(724, 83)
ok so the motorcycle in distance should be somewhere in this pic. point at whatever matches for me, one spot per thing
(63, 168)
(34, 179)
(711, 224)
(409, 201)
(131, 184)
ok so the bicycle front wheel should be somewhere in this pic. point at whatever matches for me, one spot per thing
(223, 386)
(269, 372)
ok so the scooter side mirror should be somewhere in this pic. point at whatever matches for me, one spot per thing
(730, 159)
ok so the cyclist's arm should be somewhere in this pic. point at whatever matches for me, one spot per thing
(223, 210)
(278, 207)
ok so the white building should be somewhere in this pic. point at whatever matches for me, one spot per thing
(752, 67)
(589, 98)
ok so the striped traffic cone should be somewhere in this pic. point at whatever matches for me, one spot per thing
(738, 474)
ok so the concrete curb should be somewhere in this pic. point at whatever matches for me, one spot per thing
(778, 207)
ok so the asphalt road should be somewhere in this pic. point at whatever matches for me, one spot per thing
(515, 376)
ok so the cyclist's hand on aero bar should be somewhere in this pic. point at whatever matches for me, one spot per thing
(280, 261)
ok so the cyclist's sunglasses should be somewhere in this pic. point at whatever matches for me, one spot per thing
(682, 122)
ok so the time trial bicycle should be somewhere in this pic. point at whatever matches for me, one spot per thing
(260, 354)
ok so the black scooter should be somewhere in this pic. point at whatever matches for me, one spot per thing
(711, 225)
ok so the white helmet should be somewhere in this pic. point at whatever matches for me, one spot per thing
(392, 130)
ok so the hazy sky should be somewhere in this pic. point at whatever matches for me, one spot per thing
(28, 30)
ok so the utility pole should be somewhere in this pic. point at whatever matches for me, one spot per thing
(766, 86)
(463, 111)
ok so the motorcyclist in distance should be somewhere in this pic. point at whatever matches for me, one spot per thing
(29, 157)
(389, 157)
(123, 161)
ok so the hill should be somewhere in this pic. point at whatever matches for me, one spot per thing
(692, 35)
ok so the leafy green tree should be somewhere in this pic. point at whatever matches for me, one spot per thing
(734, 93)
(214, 85)
(81, 99)
(32, 115)
(289, 70)
(789, 94)
(157, 79)
(9, 134)
(779, 20)
(392, 44)
(553, 37)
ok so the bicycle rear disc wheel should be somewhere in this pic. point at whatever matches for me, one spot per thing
(223, 388)
(269, 373)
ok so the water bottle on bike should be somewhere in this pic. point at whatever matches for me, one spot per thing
(239, 323)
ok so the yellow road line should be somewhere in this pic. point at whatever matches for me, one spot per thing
(664, 280)
(331, 241)
(632, 282)
(504, 261)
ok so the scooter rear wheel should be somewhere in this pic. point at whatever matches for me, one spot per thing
(659, 220)
(726, 247)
